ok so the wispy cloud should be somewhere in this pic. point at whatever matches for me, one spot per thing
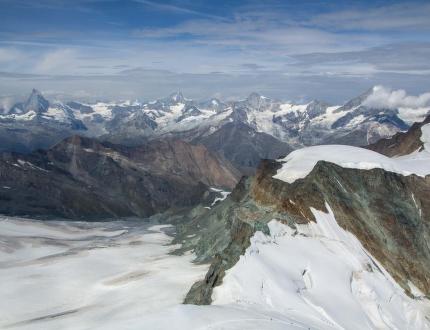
(403, 16)
(177, 9)
(54, 62)
(308, 47)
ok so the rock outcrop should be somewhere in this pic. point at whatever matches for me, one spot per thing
(81, 177)
(402, 143)
(389, 213)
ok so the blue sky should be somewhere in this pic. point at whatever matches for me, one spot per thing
(296, 50)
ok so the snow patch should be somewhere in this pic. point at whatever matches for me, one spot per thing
(299, 163)
(319, 275)
(223, 196)
(24, 117)
(26, 163)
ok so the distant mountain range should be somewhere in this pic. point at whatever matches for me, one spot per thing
(243, 131)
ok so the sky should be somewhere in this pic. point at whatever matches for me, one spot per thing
(292, 50)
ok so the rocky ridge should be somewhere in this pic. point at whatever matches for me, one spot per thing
(387, 212)
(83, 178)
(402, 143)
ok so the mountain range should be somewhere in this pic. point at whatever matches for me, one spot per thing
(243, 131)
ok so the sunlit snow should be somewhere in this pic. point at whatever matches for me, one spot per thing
(77, 275)
(299, 163)
(320, 276)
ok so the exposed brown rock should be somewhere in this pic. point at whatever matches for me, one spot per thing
(389, 213)
(82, 178)
(402, 143)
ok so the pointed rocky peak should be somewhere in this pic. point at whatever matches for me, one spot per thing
(212, 104)
(357, 101)
(142, 121)
(177, 97)
(254, 96)
(316, 108)
(258, 102)
(36, 102)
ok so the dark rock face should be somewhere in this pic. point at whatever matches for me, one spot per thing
(316, 108)
(189, 111)
(81, 107)
(81, 177)
(130, 128)
(387, 116)
(222, 235)
(389, 213)
(36, 102)
(240, 235)
(401, 143)
(212, 104)
(258, 103)
(356, 101)
(31, 135)
(243, 146)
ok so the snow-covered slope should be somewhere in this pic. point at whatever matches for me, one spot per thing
(121, 275)
(300, 163)
(321, 276)
(77, 275)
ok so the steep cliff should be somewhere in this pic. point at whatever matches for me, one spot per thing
(369, 222)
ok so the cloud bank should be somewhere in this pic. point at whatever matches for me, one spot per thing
(383, 97)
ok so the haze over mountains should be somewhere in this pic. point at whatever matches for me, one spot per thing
(243, 131)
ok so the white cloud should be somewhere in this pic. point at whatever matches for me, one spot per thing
(262, 35)
(6, 103)
(383, 97)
